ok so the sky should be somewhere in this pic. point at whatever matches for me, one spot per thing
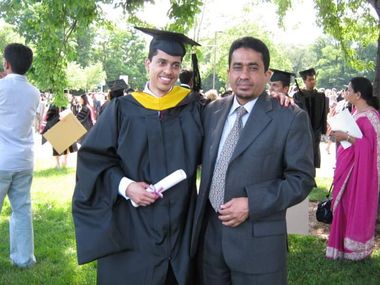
(300, 25)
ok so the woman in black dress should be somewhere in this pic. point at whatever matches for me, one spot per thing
(84, 114)
(52, 117)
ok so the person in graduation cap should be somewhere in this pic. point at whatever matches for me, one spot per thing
(316, 105)
(117, 88)
(280, 82)
(139, 139)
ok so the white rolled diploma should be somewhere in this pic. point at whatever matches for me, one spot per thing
(167, 182)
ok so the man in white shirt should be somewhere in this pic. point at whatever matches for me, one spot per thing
(18, 105)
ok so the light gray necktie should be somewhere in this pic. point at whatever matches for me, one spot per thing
(216, 195)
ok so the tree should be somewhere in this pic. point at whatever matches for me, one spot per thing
(8, 35)
(181, 12)
(220, 52)
(355, 24)
(84, 40)
(51, 27)
(87, 78)
(333, 70)
(121, 52)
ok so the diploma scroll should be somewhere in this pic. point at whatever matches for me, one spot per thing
(165, 183)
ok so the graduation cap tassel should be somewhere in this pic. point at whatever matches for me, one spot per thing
(196, 75)
(298, 87)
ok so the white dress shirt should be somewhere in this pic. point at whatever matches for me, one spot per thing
(232, 117)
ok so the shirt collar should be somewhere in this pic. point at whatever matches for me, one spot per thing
(248, 106)
(148, 91)
(15, 75)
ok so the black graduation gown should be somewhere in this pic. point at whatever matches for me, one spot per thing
(315, 104)
(136, 245)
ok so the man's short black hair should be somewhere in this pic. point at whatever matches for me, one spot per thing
(19, 56)
(186, 76)
(251, 43)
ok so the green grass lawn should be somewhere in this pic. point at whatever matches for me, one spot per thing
(55, 244)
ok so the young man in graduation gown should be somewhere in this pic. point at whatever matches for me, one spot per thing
(280, 82)
(316, 105)
(256, 162)
(139, 139)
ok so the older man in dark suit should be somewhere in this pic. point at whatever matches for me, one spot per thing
(257, 162)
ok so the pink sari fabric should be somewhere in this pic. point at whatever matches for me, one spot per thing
(356, 193)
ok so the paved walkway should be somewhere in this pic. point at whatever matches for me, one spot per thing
(327, 161)
(44, 157)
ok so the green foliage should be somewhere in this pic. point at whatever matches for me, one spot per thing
(301, 57)
(95, 75)
(60, 31)
(87, 78)
(355, 25)
(49, 27)
(84, 39)
(182, 13)
(283, 6)
(350, 22)
(8, 35)
(221, 49)
(131, 6)
(121, 52)
(326, 56)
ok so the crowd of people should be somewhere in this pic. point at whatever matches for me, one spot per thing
(232, 230)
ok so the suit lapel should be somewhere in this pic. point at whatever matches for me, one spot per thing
(258, 120)
(218, 120)
(220, 115)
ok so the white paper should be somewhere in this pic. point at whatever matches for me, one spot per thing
(167, 182)
(64, 113)
(344, 122)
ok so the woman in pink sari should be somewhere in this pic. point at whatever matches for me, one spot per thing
(356, 179)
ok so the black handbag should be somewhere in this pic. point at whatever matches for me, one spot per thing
(324, 213)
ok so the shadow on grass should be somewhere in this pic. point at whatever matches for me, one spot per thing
(307, 265)
(53, 172)
(55, 252)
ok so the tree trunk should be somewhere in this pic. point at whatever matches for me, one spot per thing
(376, 83)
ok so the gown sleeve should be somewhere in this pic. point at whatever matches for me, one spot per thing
(98, 175)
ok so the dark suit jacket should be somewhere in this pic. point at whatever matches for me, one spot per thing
(272, 165)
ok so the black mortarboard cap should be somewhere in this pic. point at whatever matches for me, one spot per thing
(173, 44)
(283, 76)
(307, 72)
(118, 84)
(170, 42)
